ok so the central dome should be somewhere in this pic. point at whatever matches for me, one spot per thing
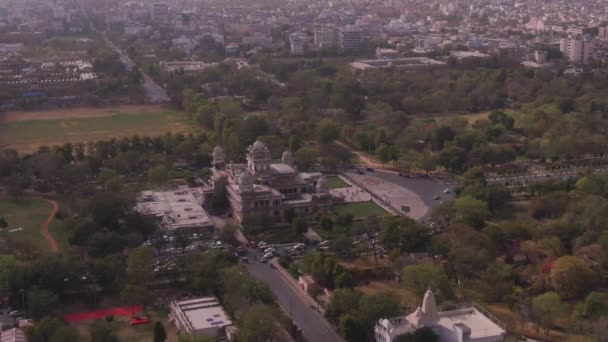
(258, 146)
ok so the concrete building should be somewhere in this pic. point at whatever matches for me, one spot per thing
(13, 335)
(296, 41)
(160, 12)
(263, 187)
(324, 37)
(200, 316)
(576, 49)
(350, 39)
(177, 210)
(402, 63)
(472, 324)
(540, 56)
(187, 67)
(386, 53)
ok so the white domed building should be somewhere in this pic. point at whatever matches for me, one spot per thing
(263, 186)
(470, 323)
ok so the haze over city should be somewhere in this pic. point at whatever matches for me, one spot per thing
(303, 171)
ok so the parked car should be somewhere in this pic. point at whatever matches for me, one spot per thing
(269, 250)
(268, 256)
(436, 197)
(447, 191)
(245, 259)
(16, 313)
(299, 247)
(325, 243)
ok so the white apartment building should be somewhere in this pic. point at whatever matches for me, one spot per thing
(324, 37)
(576, 49)
(297, 41)
(471, 324)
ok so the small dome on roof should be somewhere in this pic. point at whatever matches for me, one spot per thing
(287, 158)
(322, 186)
(218, 151)
(258, 146)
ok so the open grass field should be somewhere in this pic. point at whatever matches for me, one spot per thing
(125, 332)
(336, 182)
(29, 213)
(26, 131)
(359, 209)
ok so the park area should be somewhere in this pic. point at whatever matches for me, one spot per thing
(25, 217)
(26, 131)
(359, 209)
(336, 182)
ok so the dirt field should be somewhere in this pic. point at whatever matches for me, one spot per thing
(26, 131)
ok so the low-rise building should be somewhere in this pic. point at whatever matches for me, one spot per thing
(177, 210)
(200, 316)
(187, 67)
(402, 63)
(471, 323)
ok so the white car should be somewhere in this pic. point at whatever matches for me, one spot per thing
(325, 243)
(299, 247)
(447, 191)
(269, 250)
(268, 256)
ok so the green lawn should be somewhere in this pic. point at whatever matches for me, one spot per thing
(359, 209)
(28, 135)
(336, 182)
(29, 213)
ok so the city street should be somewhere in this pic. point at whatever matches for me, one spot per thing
(313, 324)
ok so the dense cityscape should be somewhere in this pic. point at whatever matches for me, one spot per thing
(282, 170)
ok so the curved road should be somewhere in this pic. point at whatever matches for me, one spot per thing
(44, 228)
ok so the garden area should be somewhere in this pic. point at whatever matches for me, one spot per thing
(359, 209)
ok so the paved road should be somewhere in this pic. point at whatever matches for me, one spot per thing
(154, 92)
(314, 326)
(425, 187)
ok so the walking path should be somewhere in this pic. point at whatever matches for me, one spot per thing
(44, 228)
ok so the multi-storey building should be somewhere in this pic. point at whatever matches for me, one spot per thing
(160, 12)
(324, 37)
(296, 41)
(350, 39)
(576, 49)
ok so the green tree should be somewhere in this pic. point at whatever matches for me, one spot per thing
(383, 153)
(351, 328)
(327, 131)
(546, 309)
(342, 301)
(572, 277)
(139, 265)
(419, 335)
(258, 324)
(158, 175)
(420, 277)
(299, 226)
(470, 211)
(102, 331)
(596, 304)
(3, 223)
(41, 302)
(160, 335)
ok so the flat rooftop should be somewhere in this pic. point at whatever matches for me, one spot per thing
(480, 324)
(177, 208)
(406, 63)
(203, 313)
